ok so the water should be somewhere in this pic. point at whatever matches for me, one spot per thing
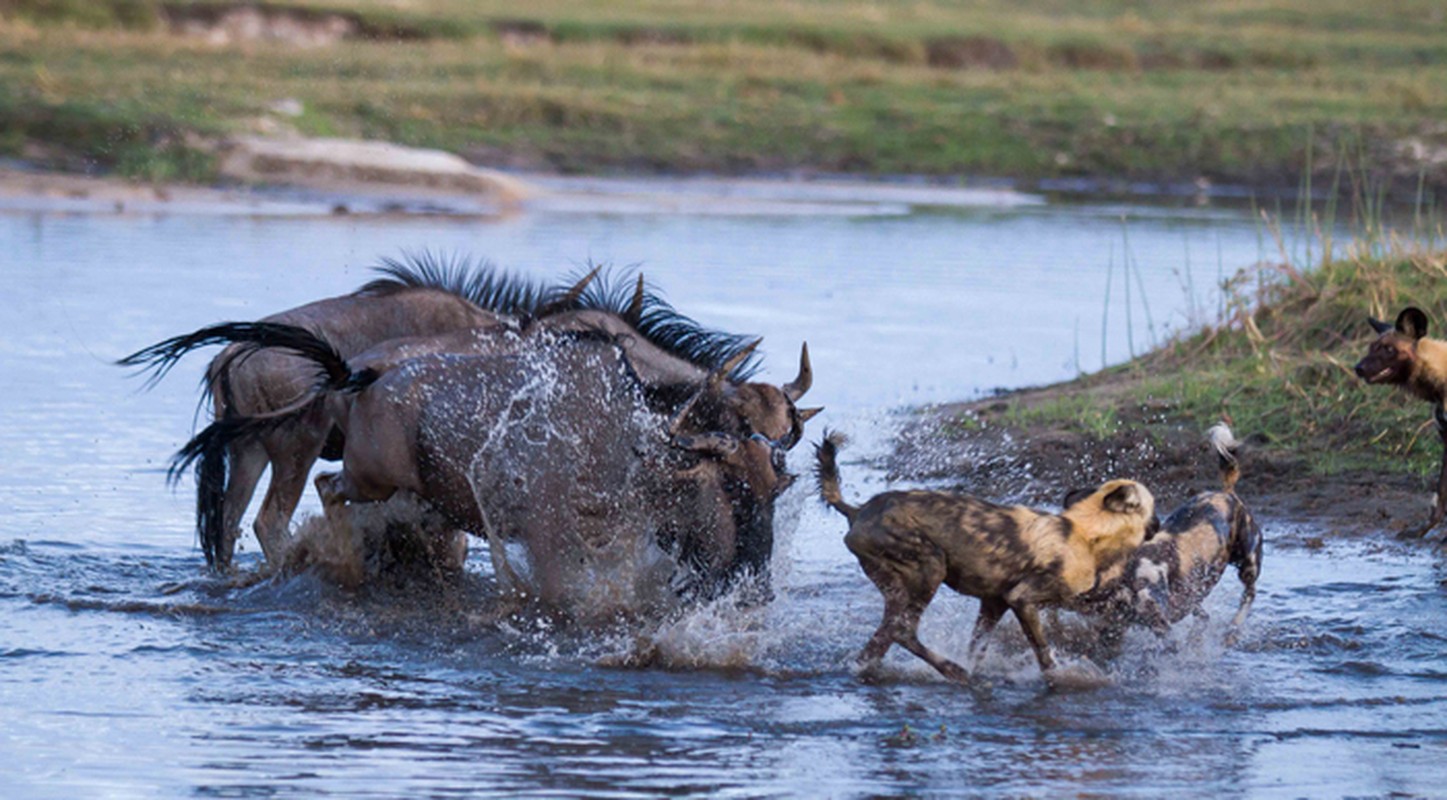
(124, 672)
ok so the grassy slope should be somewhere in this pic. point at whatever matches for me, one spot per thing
(1279, 369)
(1034, 89)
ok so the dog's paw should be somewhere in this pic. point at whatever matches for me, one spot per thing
(1413, 531)
(1078, 676)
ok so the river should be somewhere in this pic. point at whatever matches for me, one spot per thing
(124, 672)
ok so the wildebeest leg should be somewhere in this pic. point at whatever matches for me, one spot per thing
(292, 457)
(991, 610)
(247, 462)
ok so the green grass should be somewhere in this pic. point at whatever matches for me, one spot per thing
(1032, 90)
(1279, 368)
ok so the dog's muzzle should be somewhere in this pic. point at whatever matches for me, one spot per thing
(1153, 527)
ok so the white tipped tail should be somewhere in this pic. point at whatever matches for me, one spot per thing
(1225, 444)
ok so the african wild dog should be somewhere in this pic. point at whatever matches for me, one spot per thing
(1403, 356)
(1011, 557)
(1169, 576)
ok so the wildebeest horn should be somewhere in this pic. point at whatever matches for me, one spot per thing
(715, 444)
(796, 388)
(571, 296)
(716, 378)
(677, 421)
(712, 384)
(634, 315)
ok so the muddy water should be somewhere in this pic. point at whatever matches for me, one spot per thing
(124, 672)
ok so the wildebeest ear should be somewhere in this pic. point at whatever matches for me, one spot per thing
(1121, 500)
(806, 414)
(1378, 325)
(1412, 322)
(1075, 496)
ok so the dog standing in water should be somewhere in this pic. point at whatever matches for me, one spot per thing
(1402, 355)
(1011, 557)
(1169, 576)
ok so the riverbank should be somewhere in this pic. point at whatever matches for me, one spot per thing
(1322, 448)
(1110, 97)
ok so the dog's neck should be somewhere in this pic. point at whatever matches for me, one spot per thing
(1429, 371)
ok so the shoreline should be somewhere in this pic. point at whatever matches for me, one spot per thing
(27, 187)
(974, 447)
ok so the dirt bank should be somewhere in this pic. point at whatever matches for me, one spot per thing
(980, 447)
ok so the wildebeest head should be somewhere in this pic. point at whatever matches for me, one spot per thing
(744, 469)
(752, 410)
(1393, 354)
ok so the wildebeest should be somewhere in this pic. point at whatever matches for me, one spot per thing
(554, 447)
(1013, 558)
(671, 352)
(424, 296)
(1169, 576)
(1403, 355)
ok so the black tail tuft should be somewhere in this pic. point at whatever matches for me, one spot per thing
(209, 453)
(159, 358)
(826, 472)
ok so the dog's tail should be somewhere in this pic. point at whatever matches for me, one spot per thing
(1225, 445)
(1244, 549)
(827, 473)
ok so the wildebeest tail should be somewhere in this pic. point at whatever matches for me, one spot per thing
(827, 473)
(159, 358)
(1225, 445)
(209, 453)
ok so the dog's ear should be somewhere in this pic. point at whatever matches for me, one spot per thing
(1412, 322)
(1124, 499)
(1075, 496)
(1379, 326)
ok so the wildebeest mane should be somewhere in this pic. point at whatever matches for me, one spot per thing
(481, 283)
(663, 326)
(486, 286)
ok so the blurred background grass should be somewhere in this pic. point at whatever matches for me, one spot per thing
(1226, 92)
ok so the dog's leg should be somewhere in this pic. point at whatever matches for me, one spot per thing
(907, 635)
(1440, 509)
(888, 632)
(1030, 623)
(991, 610)
(1110, 639)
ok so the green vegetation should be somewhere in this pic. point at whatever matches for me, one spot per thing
(1035, 89)
(1279, 367)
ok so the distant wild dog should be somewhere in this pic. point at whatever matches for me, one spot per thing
(1403, 356)
(1013, 558)
(1169, 576)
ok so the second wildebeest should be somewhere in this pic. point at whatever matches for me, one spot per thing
(421, 296)
(555, 448)
(1403, 355)
(1013, 558)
